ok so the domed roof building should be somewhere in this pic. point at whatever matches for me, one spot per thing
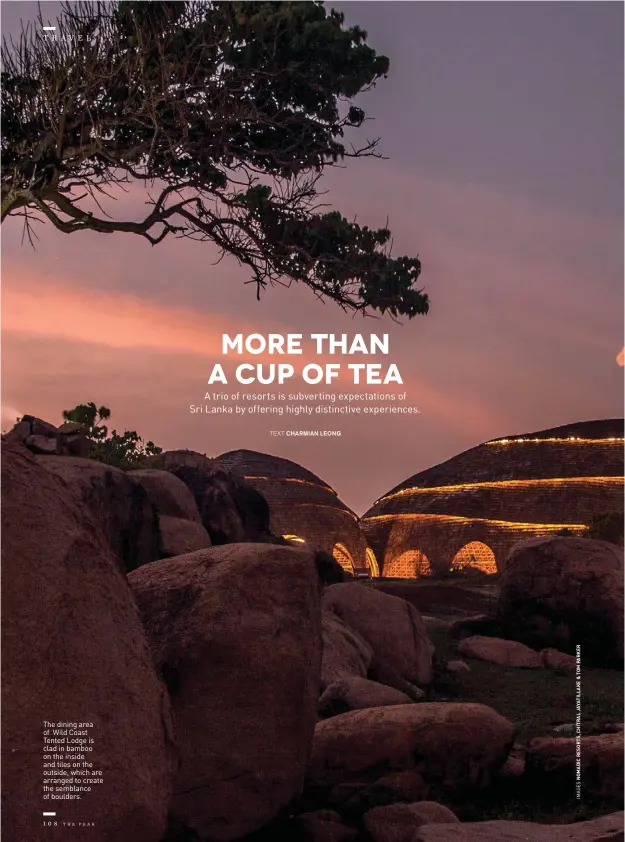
(472, 508)
(303, 508)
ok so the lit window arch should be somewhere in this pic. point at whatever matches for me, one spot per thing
(475, 554)
(372, 562)
(409, 565)
(344, 558)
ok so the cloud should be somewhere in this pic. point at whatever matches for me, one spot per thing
(50, 312)
(116, 320)
(9, 416)
(516, 340)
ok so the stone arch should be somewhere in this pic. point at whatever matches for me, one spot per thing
(411, 564)
(344, 557)
(372, 562)
(475, 554)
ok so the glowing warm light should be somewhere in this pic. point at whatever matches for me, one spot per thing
(475, 554)
(372, 562)
(567, 440)
(295, 539)
(291, 505)
(294, 479)
(509, 483)
(344, 558)
(409, 565)
(506, 524)
(620, 357)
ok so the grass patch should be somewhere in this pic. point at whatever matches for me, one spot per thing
(443, 599)
(499, 803)
(535, 700)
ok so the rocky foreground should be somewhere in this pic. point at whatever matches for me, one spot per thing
(240, 688)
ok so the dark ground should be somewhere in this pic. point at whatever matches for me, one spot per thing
(534, 700)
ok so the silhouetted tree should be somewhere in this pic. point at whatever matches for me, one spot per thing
(231, 111)
(125, 450)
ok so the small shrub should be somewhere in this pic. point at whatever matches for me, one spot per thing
(122, 450)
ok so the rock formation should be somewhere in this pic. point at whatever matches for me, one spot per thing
(604, 829)
(70, 439)
(508, 653)
(254, 690)
(231, 509)
(551, 763)
(122, 507)
(180, 526)
(74, 651)
(565, 592)
(393, 628)
(235, 632)
(451, 745)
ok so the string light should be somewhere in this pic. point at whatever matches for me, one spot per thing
(291, 505)
(294, 479)
(506, 524)
(509, 483)
(295, 539)
(568, 439)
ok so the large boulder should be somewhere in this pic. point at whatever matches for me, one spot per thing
(514, 767)
(452, 744)
(507, 653)
(323, 826)
(170, 460)
(236, 633)
(74, 651)
(329, 570)
(347, 656)
(399, 822)
(73, 440)
(604, 829)
(476, 624)
(121, 507)
(345, 653)
(391, 626)
(456, 666)
(180, 526)
(231, 509)
(38, 436)
(180, 536)
(168, 494)
(551, 764)
(554, 660)
(355, 693)
(30, 425)
(395, 788)
(562, 592)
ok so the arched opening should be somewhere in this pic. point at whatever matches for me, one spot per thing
(409, 565)
(344, 558)
(372, 562)
(294, 539)
(476, 555)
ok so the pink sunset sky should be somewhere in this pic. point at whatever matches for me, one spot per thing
(520, 231)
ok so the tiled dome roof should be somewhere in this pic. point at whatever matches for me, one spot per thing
(504, 489)
(302, 505)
